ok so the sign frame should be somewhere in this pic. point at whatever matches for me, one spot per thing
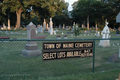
(49, 48)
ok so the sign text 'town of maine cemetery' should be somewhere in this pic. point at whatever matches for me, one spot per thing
(61, 50)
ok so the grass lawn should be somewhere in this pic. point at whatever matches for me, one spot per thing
(14, 66)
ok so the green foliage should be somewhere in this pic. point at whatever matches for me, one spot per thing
(101, 27)
(83, 29)
(97, 11)
(40, 8)
(76, 31)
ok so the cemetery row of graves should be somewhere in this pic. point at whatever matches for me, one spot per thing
(23, 51)
(16, 56)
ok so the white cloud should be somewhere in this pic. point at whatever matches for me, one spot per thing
(70, 3)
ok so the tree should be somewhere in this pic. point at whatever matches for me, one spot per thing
(40, 7)
(76, 31)
(85, 9)
(61, 15)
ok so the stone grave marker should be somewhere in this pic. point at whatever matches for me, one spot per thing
(47, 28)
(51, 27)
(66, 27)
(98, 34)
(117, 32)
(44, 24)
(63, 26)
(54, 32)
(113, 58)
(40, 29)
(106, 31)
(4, 27)
(31, 48)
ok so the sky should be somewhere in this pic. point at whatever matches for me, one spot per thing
(70, 4)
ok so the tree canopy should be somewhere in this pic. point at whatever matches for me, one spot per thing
(34, 9)
(98, 11)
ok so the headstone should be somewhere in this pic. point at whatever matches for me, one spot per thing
(113, 58)
(40, 29)
(58, 37)
(4, 27)
(44, 24)
(105, 43)
(12, 33)
(66, 27)
(117, 32)
(63, 26)
(101, 33)
(62, 33)
(69, 28)
(96, 28)
(98, 34)
(73, 26)
(76, 25)
(31, 48)
(36, 31)
(54, 32)
(65, 37)
(117, 43)
(82, 26)
(60, 26)
(47, 27)
(51, 27)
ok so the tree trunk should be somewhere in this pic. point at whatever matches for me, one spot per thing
(18, 13)
(8, 22)
(96, 25)
(88, 22)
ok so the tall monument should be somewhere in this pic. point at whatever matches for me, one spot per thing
(51, 27)
(31, 48)
(44, 24)
(106, 31)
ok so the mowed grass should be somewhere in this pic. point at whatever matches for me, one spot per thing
(14, 66)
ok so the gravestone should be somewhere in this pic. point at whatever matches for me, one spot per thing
(51, 27)
(60, 26)
(98, 34)
(40, 29)
(117, 32)
(54, 32)
(73, 26)
(63, 26)
(4, 27)
(66, 27)
(31, 48)
(105, 43)
(44, 24)
(113, 58)
(47, 28)
(82, 26)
